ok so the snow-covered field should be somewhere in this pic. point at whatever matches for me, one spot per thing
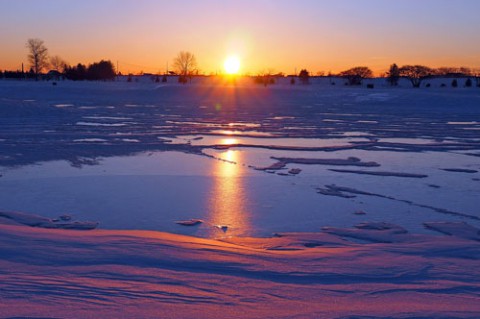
(373, 195)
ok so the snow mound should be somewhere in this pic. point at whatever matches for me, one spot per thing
(132, 274)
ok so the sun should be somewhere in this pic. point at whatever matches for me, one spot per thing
(232, 65)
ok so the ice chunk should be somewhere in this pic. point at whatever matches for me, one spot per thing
(223, 228)
(189, 222)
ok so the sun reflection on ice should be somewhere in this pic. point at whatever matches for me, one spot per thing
(231, 157)
(229, 141)
(227, 202)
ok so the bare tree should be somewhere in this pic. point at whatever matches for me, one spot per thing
(357, 74)
(57, 63)
(186, 65)
(266, 77)
(37, 56)
(416, 73)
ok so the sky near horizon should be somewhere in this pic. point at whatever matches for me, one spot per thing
(278, 35)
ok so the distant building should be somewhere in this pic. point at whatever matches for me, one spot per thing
(53, 75)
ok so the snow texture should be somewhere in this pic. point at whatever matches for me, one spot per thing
(141, 274)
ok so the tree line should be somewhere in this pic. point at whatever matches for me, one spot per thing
(185, 65)
(39, 61)
(102, 70)
(416, 74)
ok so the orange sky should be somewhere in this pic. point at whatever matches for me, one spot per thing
(278, 35)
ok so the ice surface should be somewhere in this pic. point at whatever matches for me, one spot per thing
(69, 148)
(121, 164)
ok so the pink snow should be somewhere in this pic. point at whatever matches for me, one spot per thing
(144, 274)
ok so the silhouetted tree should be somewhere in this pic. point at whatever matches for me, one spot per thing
(393, 75)
(18, 74)
(445, 71)
(357, 74)
(266, 77)
(76, 73)
(57, 63)
(31, 74)
(454, 83)
(186, 65)
(38, 55)
(263, 79)
(304, 76)
(468, 83)
(454, 72)
(103, 70)
(416, 73)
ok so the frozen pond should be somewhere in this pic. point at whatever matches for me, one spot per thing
(269, 160)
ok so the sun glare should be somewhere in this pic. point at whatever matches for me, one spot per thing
(232, 65)
(228, 141)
